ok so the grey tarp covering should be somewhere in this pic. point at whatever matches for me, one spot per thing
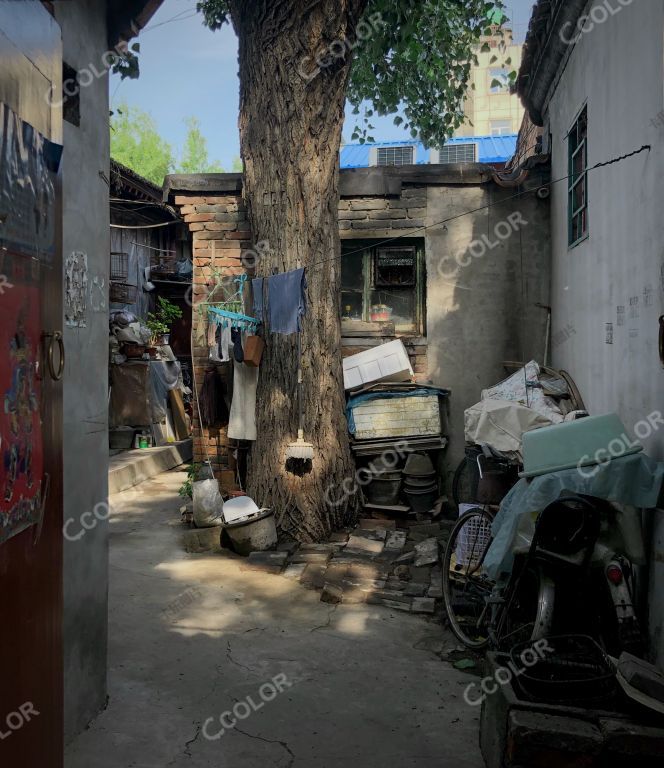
(632, 480)
(164, 376)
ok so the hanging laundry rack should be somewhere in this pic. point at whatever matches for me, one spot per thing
(229, 311)
(225, 317)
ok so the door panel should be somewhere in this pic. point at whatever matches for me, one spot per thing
(31, 707)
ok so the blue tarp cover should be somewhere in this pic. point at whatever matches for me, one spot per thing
(632, 480)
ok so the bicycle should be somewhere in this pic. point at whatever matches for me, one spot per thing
(567, 580)
(479, 613)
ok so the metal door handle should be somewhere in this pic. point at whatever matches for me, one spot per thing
(54, 337)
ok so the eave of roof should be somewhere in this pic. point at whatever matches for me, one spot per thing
(126, 18)
(544, 50)
(379, 181)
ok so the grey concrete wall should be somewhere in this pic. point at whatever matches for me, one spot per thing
(85, 443)
(621, 264)
(482, 293)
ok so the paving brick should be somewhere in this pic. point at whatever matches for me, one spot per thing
(339, 537)
(371, 523)
(436, 588)
(364, 544)
(310, 557)
(375, 534)
(396, 540)
(273, 558)
(426, 553)
(314, 575)
(423, 605)
(326, 547)
(295, 571)
(389, 602)
(415, 589)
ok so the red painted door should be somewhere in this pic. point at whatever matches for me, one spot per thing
(31, 706)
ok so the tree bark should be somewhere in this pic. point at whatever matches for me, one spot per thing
(290, 134)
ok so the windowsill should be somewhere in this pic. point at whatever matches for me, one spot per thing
(374, 341)
(578, 242)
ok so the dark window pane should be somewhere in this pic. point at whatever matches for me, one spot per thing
(352, 271)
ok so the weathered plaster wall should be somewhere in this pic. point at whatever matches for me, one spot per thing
(616, 276)
(481, 310)
(482, 294)
(85, 442)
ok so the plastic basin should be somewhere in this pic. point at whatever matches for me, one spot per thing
(583, 443)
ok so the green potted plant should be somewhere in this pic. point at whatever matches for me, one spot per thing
(159, 322)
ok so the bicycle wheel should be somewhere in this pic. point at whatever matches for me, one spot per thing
(528, 611)
(465, 588)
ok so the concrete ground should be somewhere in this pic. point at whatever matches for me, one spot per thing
(193, 637)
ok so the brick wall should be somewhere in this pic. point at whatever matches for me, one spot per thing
(220, 232)
(369, 216)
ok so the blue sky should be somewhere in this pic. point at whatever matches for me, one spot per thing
(188, 70)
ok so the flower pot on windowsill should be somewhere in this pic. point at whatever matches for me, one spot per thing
(380, 313)
(152, 351)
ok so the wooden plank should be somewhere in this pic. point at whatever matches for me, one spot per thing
(360, 328)
(179, 417)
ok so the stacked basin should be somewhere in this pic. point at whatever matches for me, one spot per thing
(420, 486)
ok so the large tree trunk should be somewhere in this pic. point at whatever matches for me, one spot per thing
(290, 133)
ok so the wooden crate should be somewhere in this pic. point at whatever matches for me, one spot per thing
(397, 417)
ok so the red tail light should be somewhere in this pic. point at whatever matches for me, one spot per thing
(614, 574)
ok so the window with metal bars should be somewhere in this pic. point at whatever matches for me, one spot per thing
(578, 179)
(458, 153)
(395, 155)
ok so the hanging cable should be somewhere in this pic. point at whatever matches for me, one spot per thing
(411, 232)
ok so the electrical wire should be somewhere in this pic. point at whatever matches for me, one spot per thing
(411, 232)
(144, 226)
(178, 17)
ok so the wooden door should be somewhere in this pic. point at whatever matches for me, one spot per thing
(31, 706)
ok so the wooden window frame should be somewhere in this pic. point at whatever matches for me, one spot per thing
(369, 252)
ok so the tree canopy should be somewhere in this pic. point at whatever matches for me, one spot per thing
(195, 157)
(137, 143)
(411, 58)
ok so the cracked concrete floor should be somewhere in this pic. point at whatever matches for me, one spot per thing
(193, 635)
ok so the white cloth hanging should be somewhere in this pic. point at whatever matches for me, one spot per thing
(242, 423)
(225, 342)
